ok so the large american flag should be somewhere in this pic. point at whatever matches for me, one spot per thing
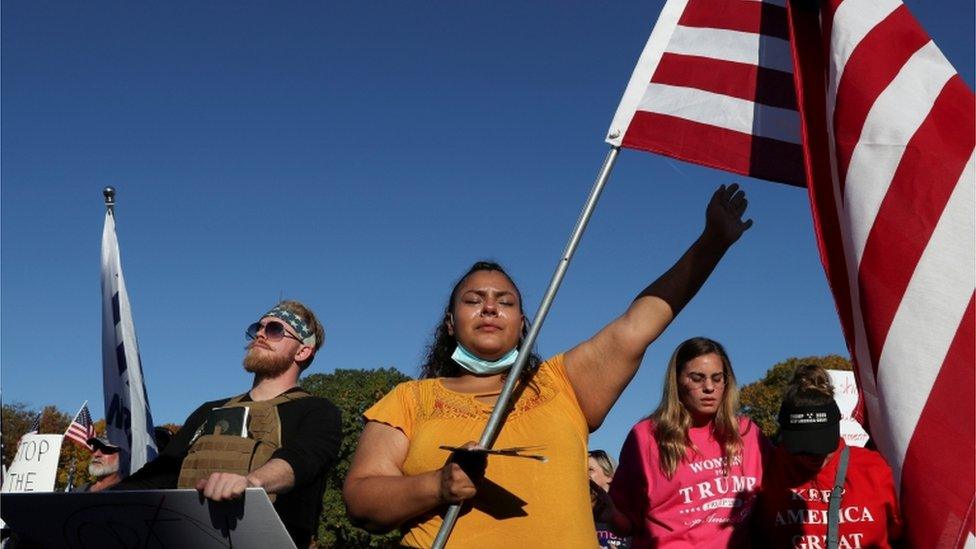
(81, 428)
(882, 131)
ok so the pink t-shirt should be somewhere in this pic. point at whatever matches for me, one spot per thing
(699, 506)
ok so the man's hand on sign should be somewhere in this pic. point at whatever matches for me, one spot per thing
(223, 486)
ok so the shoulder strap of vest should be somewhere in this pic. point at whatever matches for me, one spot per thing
(295, 395)
(280, 399)
(235, 400)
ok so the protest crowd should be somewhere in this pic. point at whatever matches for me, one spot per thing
(490, 446)
(694, 473)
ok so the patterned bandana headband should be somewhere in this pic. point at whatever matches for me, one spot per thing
(296, 322)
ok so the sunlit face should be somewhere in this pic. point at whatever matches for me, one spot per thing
(597, 474)
(272, 358)
(701, 386)
(103, 463)
(487, 317)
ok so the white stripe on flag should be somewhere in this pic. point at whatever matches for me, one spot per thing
(928, 317)
(853, 20)
(892, 121)
(723, 111)
(730, 45)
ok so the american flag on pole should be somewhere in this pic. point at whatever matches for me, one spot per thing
(884, 129)
(81, 428)
(128, 419)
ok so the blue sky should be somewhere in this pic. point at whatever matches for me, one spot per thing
(358, 157)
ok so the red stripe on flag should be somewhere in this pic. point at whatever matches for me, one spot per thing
(811, 100)
(78, 437)
(754, 17)
(749, 82)
(929, 169)
(867, 74)
(944, 434)
(715, 147)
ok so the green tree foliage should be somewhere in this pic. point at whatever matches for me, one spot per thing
(352, 391)
(761, 400)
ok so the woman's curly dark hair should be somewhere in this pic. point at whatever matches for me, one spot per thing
(439, 362)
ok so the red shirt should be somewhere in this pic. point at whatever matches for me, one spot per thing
(792, 510)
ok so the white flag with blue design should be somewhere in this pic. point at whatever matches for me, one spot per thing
(128, 420)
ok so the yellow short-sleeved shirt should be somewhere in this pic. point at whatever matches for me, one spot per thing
(523, 502)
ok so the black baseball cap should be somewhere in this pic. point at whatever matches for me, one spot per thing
(103, 444)
(810, 429)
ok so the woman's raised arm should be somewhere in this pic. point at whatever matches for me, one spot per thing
(601, 367)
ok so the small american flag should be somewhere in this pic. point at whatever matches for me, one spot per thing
(82, 428)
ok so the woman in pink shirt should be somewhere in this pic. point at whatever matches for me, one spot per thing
(689, 473)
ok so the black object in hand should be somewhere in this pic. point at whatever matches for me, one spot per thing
(472, 462)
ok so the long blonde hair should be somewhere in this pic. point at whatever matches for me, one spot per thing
(672, 420)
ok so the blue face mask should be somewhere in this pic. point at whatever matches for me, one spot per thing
(480, 366)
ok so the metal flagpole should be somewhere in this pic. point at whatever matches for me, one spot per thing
(69, 485)
(499, 411)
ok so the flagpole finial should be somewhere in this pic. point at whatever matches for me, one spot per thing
(109, 193)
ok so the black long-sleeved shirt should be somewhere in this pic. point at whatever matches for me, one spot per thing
(311, 434)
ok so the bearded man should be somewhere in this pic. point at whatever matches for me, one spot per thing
(275, 436)
(104, 465)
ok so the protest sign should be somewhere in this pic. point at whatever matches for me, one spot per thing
(145, 518)
(35, 467)
(845, 394)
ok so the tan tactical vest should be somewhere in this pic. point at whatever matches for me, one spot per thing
(211, 453)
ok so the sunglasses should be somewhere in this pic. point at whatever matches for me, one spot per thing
(273, 330)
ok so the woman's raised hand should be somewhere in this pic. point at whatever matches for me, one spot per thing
(723, 217)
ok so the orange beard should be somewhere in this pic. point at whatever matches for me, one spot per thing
(265, 362)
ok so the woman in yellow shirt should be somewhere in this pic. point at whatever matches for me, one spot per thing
(400, 477)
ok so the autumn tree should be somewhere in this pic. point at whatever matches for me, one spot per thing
(16, 419)
(761, 399)
(352, 391)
